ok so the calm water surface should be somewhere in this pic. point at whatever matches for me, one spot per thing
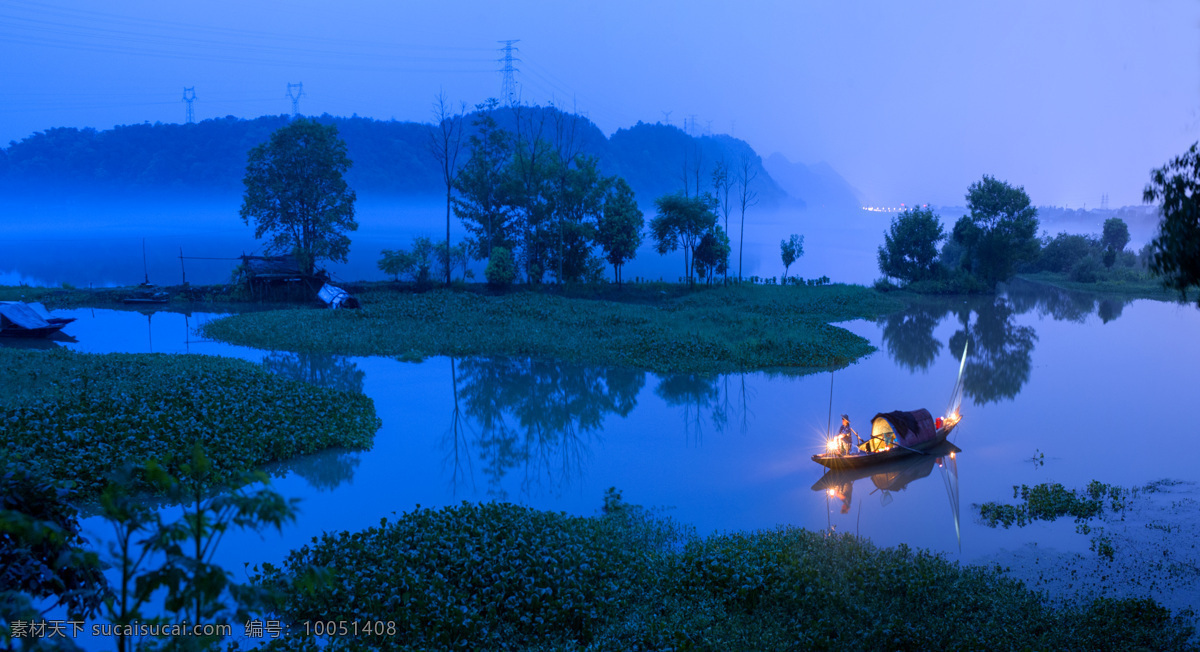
(1093, 387)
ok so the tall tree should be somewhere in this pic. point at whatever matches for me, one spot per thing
(790, 250)
(578, 206)
(1001, 231)
(910, 247)
(295, 193)
(445, 142)
(680, 224)
(482, 204)
(747, 173)
(619, 232)
(722, 183)
(531, 177)
(1175, 251)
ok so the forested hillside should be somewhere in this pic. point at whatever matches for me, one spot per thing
(390, 158)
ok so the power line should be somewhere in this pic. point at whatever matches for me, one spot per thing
(508, 85)
(189, 96)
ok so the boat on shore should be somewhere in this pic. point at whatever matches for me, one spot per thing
(18, 319)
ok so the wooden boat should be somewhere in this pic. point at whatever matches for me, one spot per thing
(893, 438)
(891, 475)
(146, 297)
(29, 320)
(899, 434)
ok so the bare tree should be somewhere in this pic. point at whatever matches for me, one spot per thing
(747, 173)
(722, 183)
(445, 142)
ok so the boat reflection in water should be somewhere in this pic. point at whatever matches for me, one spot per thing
(892, 477)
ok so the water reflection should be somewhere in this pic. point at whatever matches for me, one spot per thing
(1063, 305)
(909, 336)
(1001, 352)
(893, 477)
(324, 471)
(321, 369)
(535, 417)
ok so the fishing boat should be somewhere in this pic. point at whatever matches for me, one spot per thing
(898, 434)
(19, 319)
(890, 476)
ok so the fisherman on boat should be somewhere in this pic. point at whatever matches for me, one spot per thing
(844, 437)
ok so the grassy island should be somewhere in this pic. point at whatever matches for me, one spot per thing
(718, 329)
(78, 417)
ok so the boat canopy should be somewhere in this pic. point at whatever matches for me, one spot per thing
(907, 428)
(22, 316)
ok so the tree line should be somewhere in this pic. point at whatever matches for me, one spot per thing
(999, 237)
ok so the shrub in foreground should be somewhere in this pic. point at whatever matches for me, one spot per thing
(499, 576)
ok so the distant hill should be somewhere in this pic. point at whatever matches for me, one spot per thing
(819, 185)
(390, 158)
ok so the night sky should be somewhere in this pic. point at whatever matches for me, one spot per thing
(910, 101)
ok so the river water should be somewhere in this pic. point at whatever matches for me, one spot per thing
(1060, 387)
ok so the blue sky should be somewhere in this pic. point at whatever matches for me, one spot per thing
(910, 101)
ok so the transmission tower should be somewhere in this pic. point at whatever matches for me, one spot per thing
(508, 85)
(295, 97)
(189, 96)
(1104, 202)
(667, 117)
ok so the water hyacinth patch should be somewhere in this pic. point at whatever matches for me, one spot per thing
(499, 576)
(79, 417)
(717, 330)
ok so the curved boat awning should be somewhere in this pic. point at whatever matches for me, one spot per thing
(908, 428)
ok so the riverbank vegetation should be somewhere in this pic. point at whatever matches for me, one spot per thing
(78, 417)
(718, 329)
(501, 576)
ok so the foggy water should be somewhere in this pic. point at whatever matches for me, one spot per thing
(88, 241)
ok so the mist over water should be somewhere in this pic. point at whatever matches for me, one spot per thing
(98, 241)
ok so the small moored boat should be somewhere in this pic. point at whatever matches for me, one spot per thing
(29, 320)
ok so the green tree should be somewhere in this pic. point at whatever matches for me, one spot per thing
(396, 262)
(1000, 233)
(295, 193)
(680, 224)
(415, 264)
(482, 203)
(619, 231)
(501, 269)
(1115, 237)
(910, 246)
(790, 250)
(1116, 234)
(712, 253)
(578, 207)
(1175, 253)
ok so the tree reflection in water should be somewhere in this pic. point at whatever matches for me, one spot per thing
(328, 469)
(1000, 358)
(321, 369)
(324, 471)
(909, 336)
(708, 397)
(537, 416)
